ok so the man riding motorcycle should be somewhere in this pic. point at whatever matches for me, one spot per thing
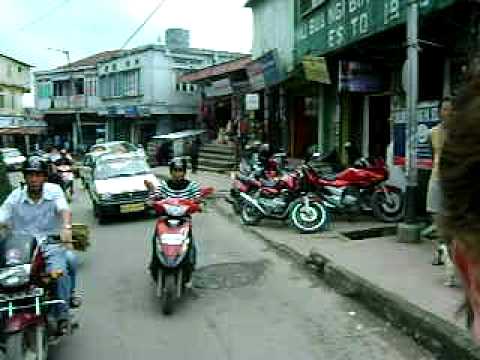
(40, 209)
(176, 187)
(63, 167)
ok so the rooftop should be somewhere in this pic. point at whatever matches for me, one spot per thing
(18, 61)
(217, 70)
(93, 59)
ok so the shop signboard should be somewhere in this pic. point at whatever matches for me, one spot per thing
(316, 69)
(219, 88)
(252, 102)
(334, 24)
(131, 111)
(360, 77)
(427, 117)
(265, 71)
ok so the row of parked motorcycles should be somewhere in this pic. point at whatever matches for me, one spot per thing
(307, 195)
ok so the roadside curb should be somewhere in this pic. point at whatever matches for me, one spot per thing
(439, 336)
(442, 338)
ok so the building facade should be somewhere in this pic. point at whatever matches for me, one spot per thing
(68, 99)
(18, 128)
(126, 94)
(14, 82)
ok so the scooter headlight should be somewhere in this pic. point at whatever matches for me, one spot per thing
(15, 276)
(175, 210)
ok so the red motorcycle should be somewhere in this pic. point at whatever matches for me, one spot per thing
(357, 189)
(26, 295)
(250, 177)
(285, 198)
(173, 248)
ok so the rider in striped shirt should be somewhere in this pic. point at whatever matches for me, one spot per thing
(176, 187)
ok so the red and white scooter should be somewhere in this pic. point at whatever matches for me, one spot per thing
(173, 248)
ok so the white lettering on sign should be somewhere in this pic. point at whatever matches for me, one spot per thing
(336, 12)
(336, 37)
(356, 5)
(392, 11)
(359, 24)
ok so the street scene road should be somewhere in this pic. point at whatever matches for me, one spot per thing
(247, 303)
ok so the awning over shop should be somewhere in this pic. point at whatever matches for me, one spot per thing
(216, 71)
(20, 125)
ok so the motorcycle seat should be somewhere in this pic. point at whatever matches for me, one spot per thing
(269, 183)
(244, 178)
(329, 177)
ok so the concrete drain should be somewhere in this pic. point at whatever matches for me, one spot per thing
(371, 233)
(229, 275)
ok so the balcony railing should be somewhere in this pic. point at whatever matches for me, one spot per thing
(75, 102)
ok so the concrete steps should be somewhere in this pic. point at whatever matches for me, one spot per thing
(217, 157)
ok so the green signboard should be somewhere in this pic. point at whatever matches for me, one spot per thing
(333, 24)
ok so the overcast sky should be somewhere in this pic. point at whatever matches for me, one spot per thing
(84, 27)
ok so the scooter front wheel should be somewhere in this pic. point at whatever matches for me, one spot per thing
(168, 293)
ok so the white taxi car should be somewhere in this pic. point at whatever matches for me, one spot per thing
(117, 184)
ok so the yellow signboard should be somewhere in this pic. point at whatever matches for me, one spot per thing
(316, 69)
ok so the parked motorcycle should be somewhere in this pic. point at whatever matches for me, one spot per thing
(357, 189)
(251, 172)
(66, 176)
(285, 199)
(26, 295)
(173, 247)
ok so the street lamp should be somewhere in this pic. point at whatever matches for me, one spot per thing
(65, 52)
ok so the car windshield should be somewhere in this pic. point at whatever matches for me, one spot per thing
(120, 167)
(11, 153)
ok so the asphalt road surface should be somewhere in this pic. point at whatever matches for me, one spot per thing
(248, 303)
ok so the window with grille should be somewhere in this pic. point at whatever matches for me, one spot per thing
(125, 83)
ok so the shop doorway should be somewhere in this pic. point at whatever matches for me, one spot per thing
(379, 126)
(304, 128)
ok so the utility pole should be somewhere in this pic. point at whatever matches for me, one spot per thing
(410, 230)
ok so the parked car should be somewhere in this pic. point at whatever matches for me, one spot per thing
(13, 158)
(114, 147)
(117, 184)
(118, 147)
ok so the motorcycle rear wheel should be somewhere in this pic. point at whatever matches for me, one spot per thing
(168, 294)
(385, 210)
(250, 215)
(310, 220)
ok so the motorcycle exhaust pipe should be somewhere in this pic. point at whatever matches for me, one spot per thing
(253, 202)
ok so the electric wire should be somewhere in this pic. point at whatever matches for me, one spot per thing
(144, 22)
(44, 15)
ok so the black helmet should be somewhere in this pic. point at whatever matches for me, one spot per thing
(35, 164)
(178, 163)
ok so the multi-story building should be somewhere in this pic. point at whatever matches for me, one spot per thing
(140, 92)
(67, 96)
(14, 82)
(125, 94)
(16, 127)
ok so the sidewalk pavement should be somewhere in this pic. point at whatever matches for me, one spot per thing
(395, 280)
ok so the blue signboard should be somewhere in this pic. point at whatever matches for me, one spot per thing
(427, 117)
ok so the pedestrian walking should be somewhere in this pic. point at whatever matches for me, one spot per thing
(434, 194)
(459, 172)
(194, 153)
